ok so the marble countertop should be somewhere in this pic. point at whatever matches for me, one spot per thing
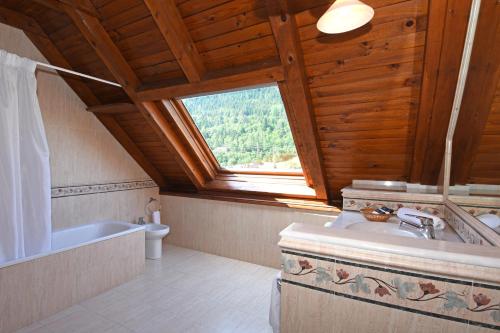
(347, 218)
(318, 237)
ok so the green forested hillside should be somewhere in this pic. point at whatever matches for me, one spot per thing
(245, 127)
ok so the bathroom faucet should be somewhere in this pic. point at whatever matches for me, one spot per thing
(141, 221)
(426, 226)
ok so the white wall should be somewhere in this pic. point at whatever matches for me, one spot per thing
(235, 230)
(82, 151)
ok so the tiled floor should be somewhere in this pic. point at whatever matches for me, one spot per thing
(187, 291)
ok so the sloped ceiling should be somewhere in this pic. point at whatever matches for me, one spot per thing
(365, 87)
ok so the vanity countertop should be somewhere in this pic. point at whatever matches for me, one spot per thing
(347, 218)
(438, 256)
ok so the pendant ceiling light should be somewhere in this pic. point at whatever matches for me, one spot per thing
(345, 15)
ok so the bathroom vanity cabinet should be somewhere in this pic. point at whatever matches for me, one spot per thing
(337, 280)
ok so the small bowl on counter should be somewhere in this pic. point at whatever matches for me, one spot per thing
(370, 215)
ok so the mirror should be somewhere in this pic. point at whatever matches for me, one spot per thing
(475, 160)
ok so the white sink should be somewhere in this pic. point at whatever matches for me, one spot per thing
(357, 222)
(384, 228)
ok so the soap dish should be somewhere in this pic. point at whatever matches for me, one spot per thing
(370, 216)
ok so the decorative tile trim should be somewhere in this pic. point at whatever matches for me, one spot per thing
(477, 210)
(380, 268)
(393, 306)
(435, 296)
(357, 204)
(69, 191)
(464, 230)
(470, 229)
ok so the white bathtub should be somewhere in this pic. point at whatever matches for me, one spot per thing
(69, 238)
(84, 261)
(85, 234)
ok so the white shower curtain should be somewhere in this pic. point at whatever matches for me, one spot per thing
(25, 213)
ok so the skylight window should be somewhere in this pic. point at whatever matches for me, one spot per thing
(246, 129)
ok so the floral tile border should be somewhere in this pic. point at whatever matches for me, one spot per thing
(476, 211)
(464, 230)
(357, 204)
(450, 299)
(68, 191)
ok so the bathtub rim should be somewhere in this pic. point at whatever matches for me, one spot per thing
(132, 228)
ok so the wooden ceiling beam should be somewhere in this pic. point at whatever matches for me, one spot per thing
(445, 39)
(228, 81)
(52, 54)
(297, 96)
(93, 31)
(108, 52)
(59, 5)
(480, 89)
(43, 43)
(180, 117)
(174, 31)
(56, 58)
(434, 41)
(115, 108)
(20, 21)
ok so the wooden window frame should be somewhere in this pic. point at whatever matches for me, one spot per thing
(284, 182)
(213, 160)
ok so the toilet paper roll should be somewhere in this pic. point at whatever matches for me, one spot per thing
(156, 217)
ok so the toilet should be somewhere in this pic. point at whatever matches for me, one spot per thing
(154, 235)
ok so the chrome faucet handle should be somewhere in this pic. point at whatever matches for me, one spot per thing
(141, 221)
(426, 226)
(426, 221)
(410, 223)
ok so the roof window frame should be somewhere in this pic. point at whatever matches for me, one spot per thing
(208, 151)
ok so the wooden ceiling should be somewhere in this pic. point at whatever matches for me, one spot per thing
(373, 103)
(476, 144)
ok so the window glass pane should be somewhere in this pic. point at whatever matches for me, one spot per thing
(246, 129)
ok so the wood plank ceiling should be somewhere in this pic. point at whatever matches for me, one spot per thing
(485, 168)
(361, 91)
(476, 143)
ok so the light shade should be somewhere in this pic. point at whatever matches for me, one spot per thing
(345, 15)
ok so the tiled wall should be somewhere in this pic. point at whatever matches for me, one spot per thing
(117, 205)
(356, 204)
(437, 303)
(235, 230)
(82, 151)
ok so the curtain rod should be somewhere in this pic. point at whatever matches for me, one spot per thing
(77, 73)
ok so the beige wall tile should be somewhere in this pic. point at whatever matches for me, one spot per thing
(389, 298)
(82, 151)
(306, 310)
(125, 206)
(236, 230)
